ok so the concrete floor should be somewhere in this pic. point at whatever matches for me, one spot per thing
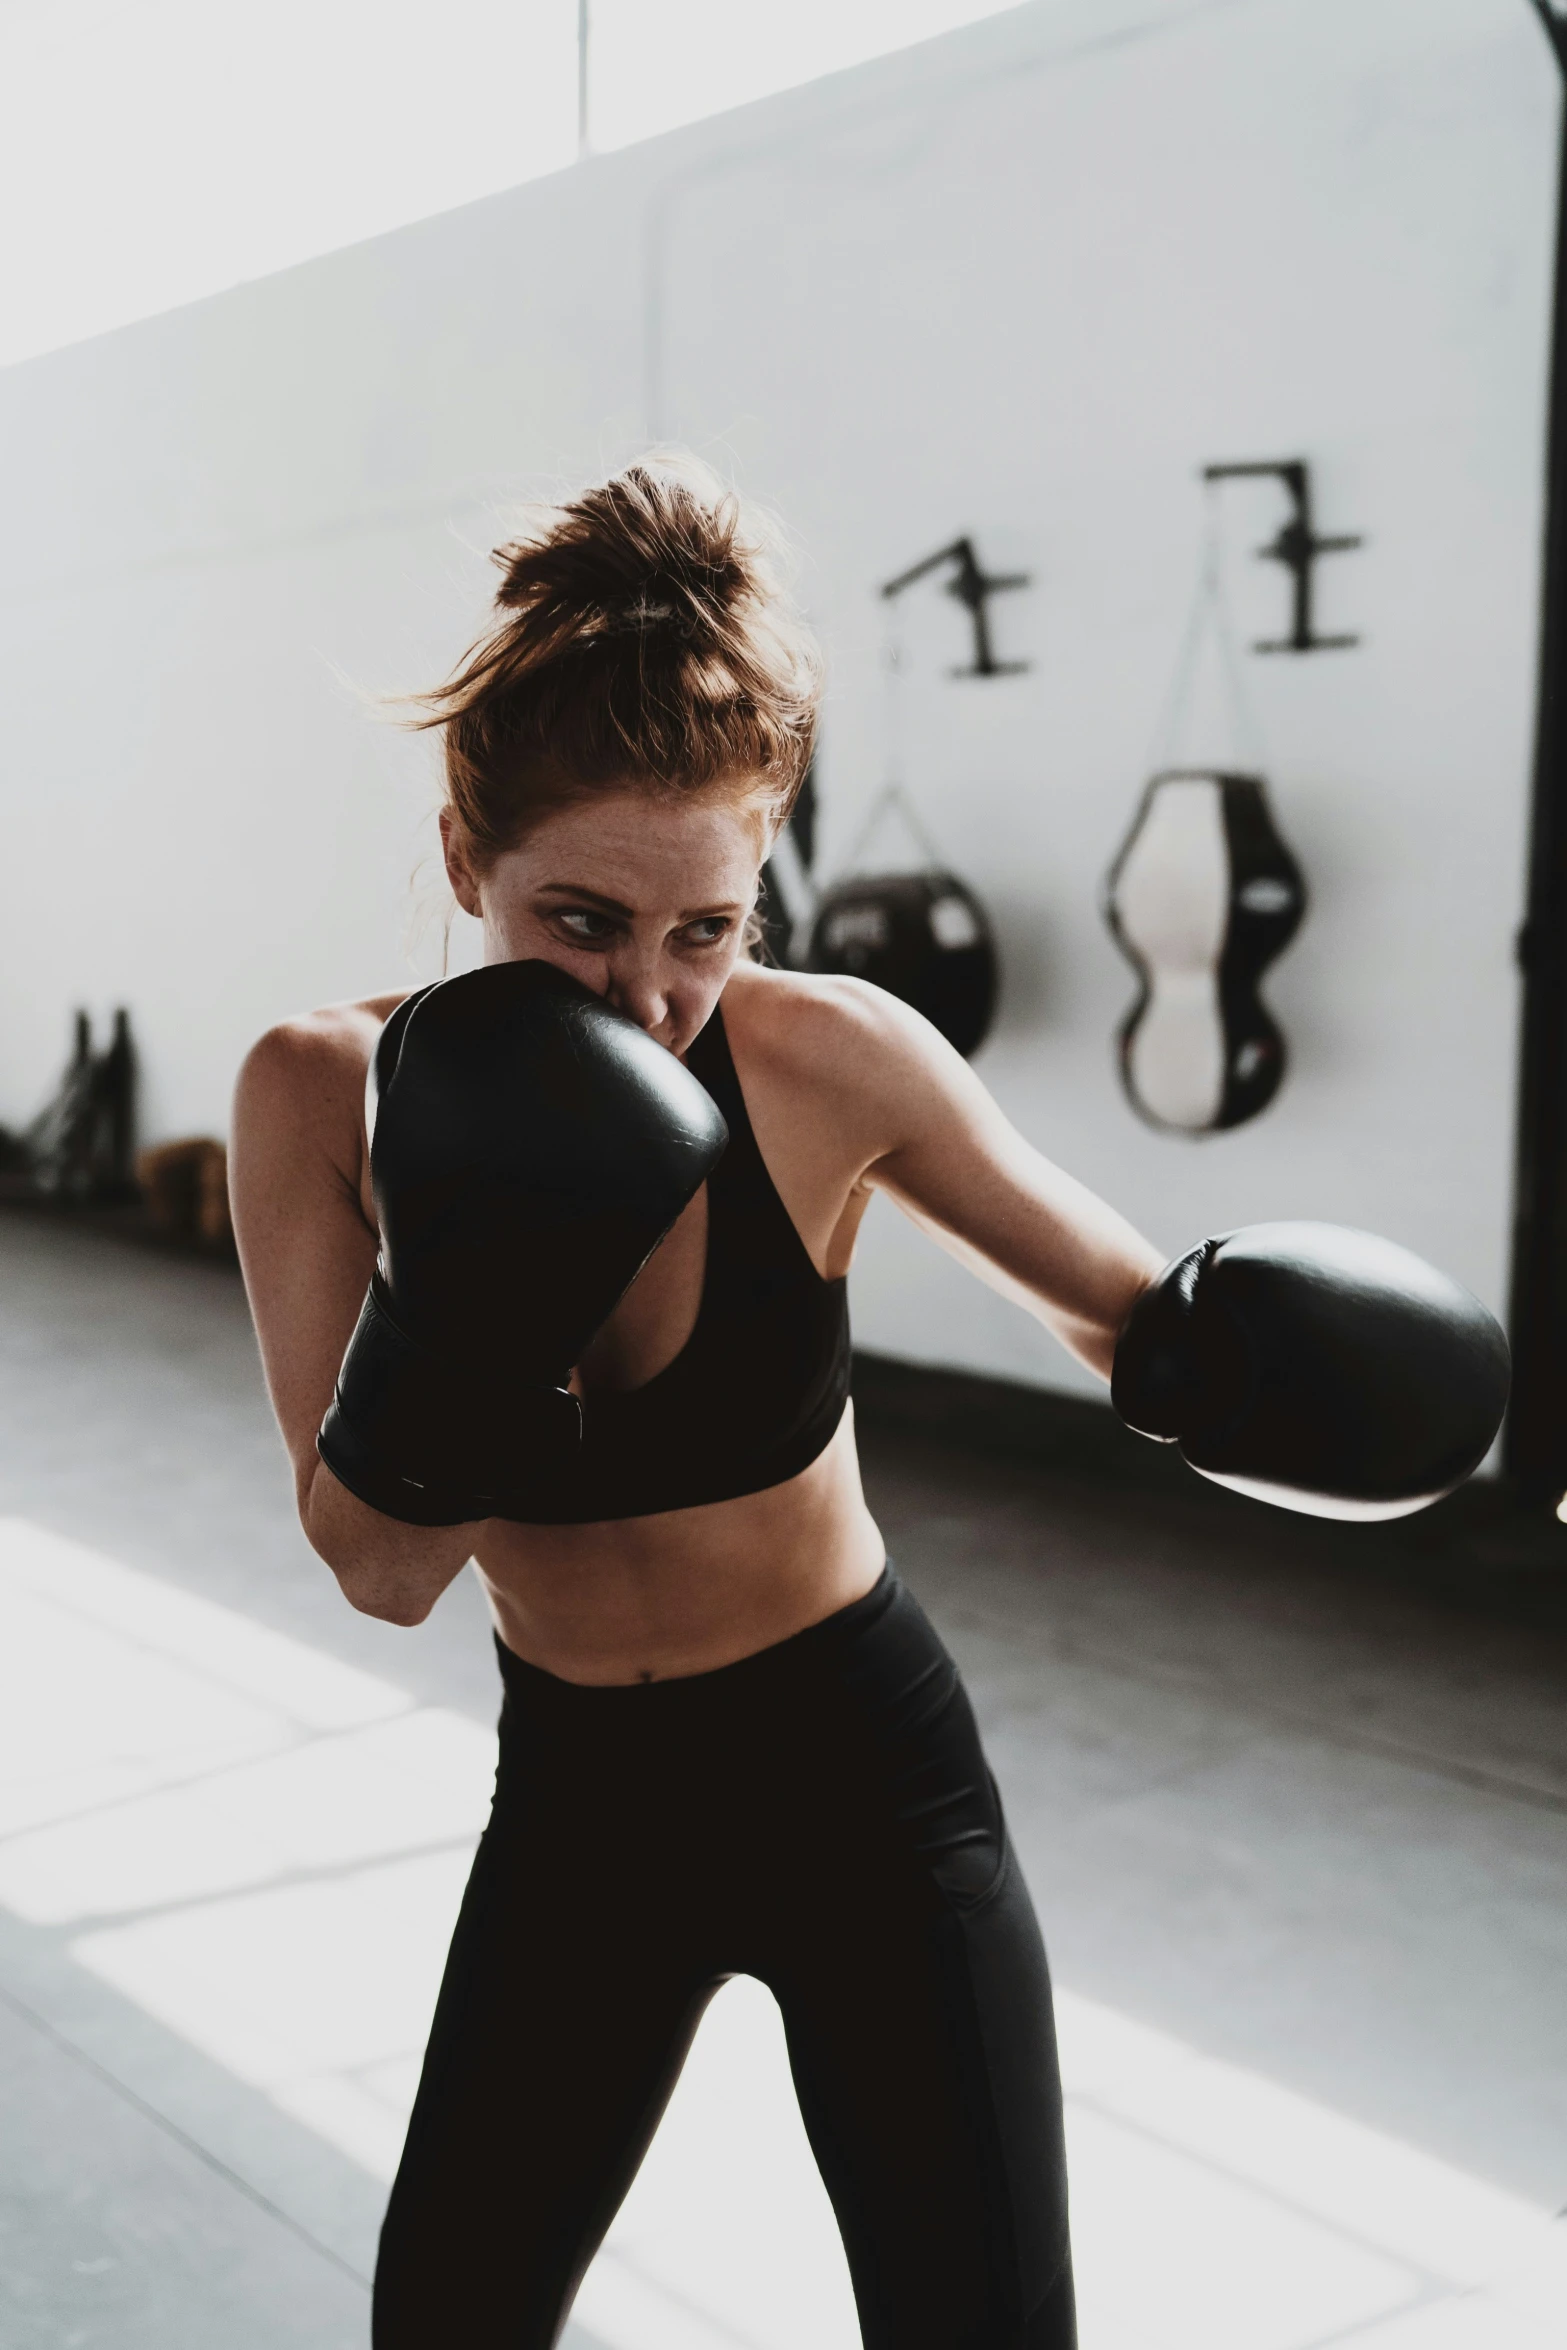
(1293, 1805)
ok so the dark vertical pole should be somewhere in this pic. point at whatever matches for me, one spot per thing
(1535, 1444)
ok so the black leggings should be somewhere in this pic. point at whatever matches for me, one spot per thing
(819, 1816)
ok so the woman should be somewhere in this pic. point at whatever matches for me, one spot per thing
(730, 1741)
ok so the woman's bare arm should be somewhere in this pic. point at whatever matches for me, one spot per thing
(922, 1128)
(307, 1254)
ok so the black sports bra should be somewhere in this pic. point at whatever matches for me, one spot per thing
(758, 1389)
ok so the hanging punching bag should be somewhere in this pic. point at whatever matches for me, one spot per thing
(922, 936)
(1202, 897)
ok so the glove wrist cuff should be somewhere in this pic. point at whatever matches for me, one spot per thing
(416, 1438)
(1157, 1383)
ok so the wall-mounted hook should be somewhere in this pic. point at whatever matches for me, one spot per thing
(1297, 548)
(973, 588)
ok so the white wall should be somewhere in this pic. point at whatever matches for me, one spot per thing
(1022, 282)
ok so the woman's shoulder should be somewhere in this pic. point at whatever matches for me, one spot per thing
(824, 1027)
(836, 1068)
(310, 1068)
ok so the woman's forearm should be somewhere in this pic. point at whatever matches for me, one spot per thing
(384, 1568)
(1082, 1292)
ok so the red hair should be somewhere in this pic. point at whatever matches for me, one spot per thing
(643, 641)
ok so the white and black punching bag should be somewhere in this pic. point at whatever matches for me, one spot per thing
(1202, 897)
(923, 936)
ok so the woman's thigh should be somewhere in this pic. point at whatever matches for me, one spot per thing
(924, 2058)
(559, 2033)
(917, 2004)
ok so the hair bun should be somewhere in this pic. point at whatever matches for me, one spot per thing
(644, 638)
(657, 551)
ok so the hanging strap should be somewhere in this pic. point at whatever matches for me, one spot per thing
(1208, 619)
(893, 799)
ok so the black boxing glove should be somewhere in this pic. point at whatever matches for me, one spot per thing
(1315, 1367)
(530, 1147)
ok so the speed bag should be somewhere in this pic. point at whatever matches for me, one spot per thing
(1202, 897)
(921, 936)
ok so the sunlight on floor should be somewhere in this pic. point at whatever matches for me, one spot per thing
(265, 1849)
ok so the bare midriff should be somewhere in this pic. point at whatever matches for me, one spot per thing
(643, 1599)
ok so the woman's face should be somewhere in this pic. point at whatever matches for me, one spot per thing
(644, 899)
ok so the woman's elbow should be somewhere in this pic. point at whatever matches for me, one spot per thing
(367, 1553)
(382, 1596)
(374, 1587)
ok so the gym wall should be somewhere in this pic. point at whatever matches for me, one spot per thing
(1022, 282)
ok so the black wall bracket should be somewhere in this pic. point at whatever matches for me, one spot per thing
(973, 588)
(1297, 547)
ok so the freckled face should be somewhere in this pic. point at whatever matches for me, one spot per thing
(643, 899)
